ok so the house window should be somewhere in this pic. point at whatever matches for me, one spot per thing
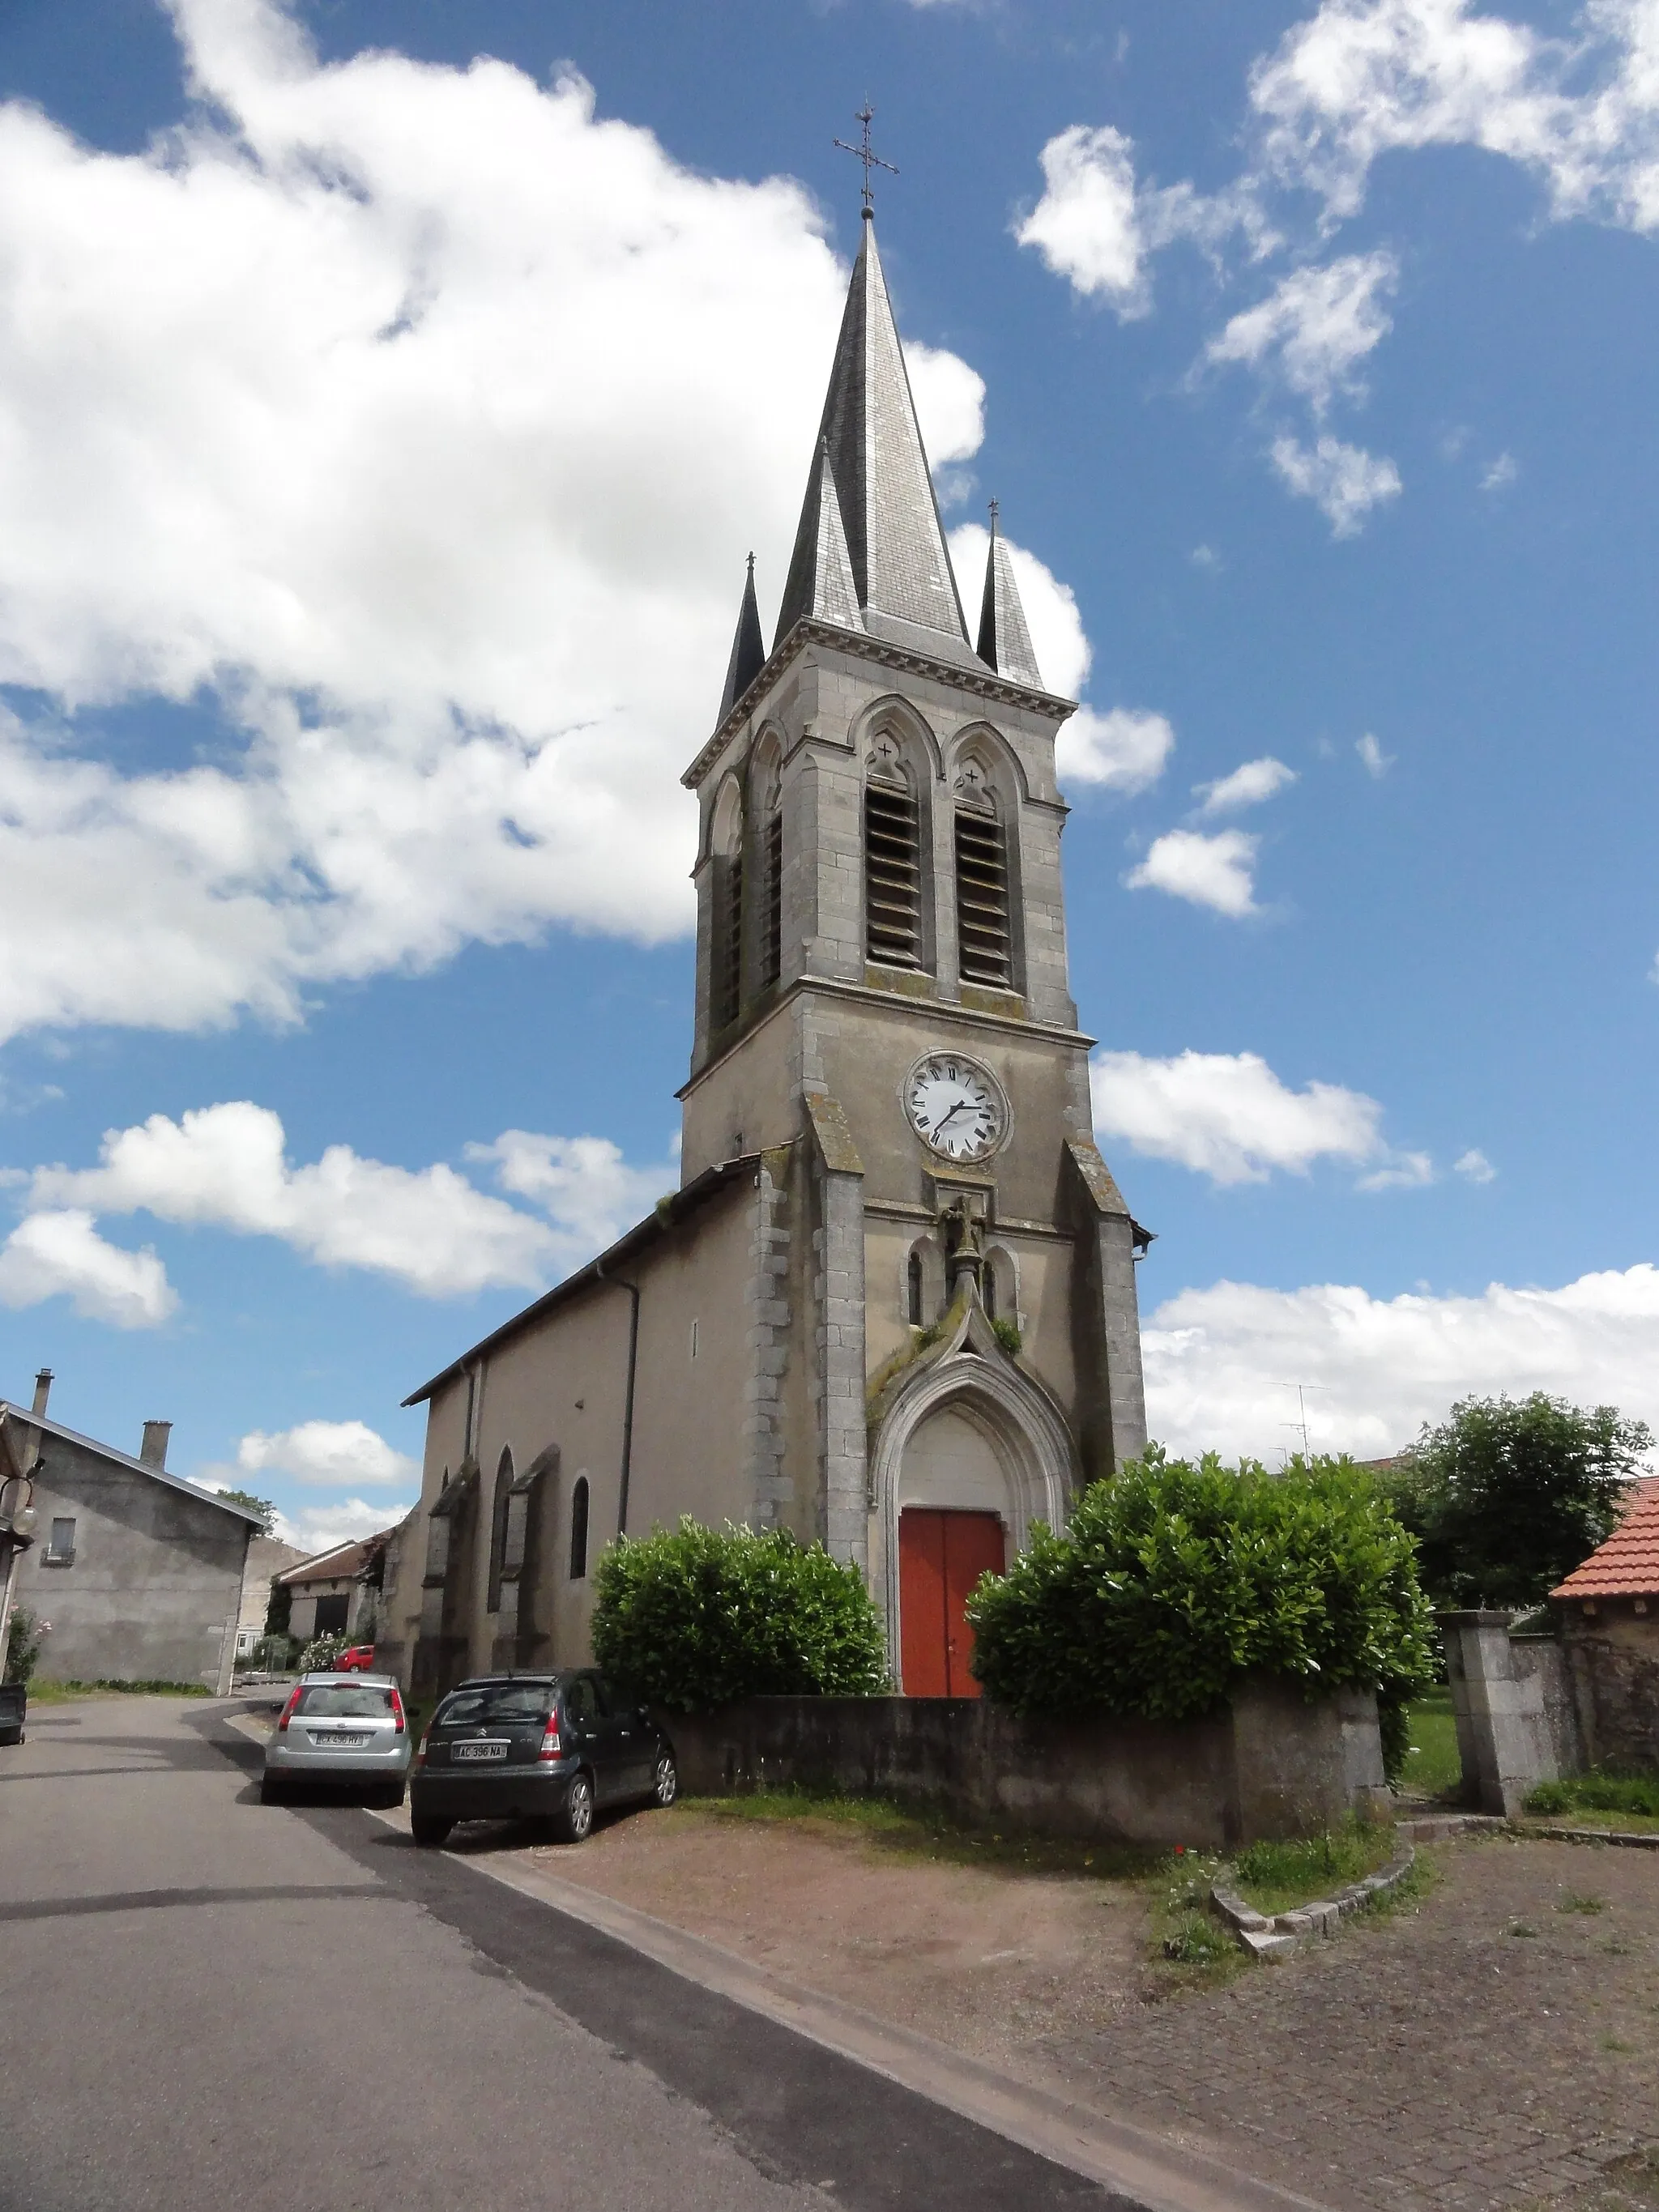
(984, 934)
(579, 1529)
(892, 876)
(771, 942)
(60, 1546)
(333, 1613)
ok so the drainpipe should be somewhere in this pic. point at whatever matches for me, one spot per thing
(633, 1291)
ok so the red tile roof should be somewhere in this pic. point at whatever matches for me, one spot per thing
(1627, 1565)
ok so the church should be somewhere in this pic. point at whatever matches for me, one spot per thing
(892, 1305)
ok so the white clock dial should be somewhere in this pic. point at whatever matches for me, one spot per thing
(955, 1106)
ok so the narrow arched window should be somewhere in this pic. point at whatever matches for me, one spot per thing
(914, 1290)
(771, 935)
(498, 1528)
(579, 1529)
(726, 943)
(988, 1295)
(892, 865)
(984, 929)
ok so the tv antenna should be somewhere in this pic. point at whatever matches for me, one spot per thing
(1300, 1424)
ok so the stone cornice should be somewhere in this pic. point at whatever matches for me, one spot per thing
(980, 683)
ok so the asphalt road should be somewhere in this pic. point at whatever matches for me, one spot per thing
(205, 2003)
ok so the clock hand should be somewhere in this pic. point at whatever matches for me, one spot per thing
(944, 1117)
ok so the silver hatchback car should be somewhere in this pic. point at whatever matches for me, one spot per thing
(346, 1733)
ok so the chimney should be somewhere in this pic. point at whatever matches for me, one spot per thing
(42, 1390)
(154, 1450)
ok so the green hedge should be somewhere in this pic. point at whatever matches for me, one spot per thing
(1174, 1580)
(694, 1618)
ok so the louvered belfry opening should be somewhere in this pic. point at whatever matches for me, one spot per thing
(892, 876)
(728, 942)
(771, 944)
(984, 930)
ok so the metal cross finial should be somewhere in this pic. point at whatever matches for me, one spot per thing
(996, 511)
(861, 152)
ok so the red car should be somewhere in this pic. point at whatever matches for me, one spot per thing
(359, 1660)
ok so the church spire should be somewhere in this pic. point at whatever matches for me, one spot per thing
(748, 650)
(1004, 643)
(872, 464)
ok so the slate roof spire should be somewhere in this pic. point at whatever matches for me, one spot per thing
(748, 650)
(1004, 642)
(869, 477)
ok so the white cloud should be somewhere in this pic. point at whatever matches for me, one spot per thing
(328, 1454)
(1502, 473)
(1474, 1167)
(1400, 1171)
(1222, 1362)
(226, 1166)
(1248, 785)
(1315, 327)
(1086, 226)
(1345, 481)
(393, 405)
(60, 1254)
(1215, 871)
(320, 1528)
(1364, 77)
(583, 1184)
(1121, 749)
(1124, 749)
(1228, 1115)
(1376, 762)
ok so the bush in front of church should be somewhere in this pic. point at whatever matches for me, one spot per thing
(692, 1617)
(1174, 1580)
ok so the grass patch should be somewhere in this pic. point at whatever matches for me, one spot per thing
(1622, 1801)
(1276, 1877)
(934, 1832)
(1576, 1901)
(59, 1693)
(1432, 1767)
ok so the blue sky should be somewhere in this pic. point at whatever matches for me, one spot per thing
(381, 435)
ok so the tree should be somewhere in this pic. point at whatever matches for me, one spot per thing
(262, 1506)
(1173, 1580)
(1507, 1496)
(694, 1618)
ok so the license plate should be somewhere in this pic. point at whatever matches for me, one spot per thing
(477, 1751)
(342, 1739)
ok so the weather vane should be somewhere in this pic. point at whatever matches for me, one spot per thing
(862, 152)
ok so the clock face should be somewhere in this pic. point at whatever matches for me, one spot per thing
(955, 1107)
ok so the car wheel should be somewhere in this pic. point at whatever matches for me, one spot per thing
(666, 1781)
(571, 1823)
(387, 1799)
(431, 1835)
(271, 1791)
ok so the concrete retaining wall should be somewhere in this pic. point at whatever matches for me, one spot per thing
(1272, 1765)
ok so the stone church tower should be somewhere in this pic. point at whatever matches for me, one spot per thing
(893, 1304)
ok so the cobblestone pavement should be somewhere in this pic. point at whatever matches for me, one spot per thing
(1495, 2046)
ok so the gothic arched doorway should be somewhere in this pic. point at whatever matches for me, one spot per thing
(955, 1513)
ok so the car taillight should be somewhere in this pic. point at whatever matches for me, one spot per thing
(420, 1752)
(550, 1741)
(291, 1708)
(397, 1714)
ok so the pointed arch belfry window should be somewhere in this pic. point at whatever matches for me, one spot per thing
(984, 938)
(892, 861)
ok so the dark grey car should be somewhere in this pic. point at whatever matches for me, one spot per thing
(545, 1747)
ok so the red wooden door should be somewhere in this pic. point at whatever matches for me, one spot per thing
(941, 1558)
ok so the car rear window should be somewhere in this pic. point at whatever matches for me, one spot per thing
(344, 1701)
(501, 1702)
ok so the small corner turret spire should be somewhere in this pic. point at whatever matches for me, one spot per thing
(862, 152)
(1004, 642)
(748, 649)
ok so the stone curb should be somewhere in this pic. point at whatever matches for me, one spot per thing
(1630, 1838)
(1278, 1935)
